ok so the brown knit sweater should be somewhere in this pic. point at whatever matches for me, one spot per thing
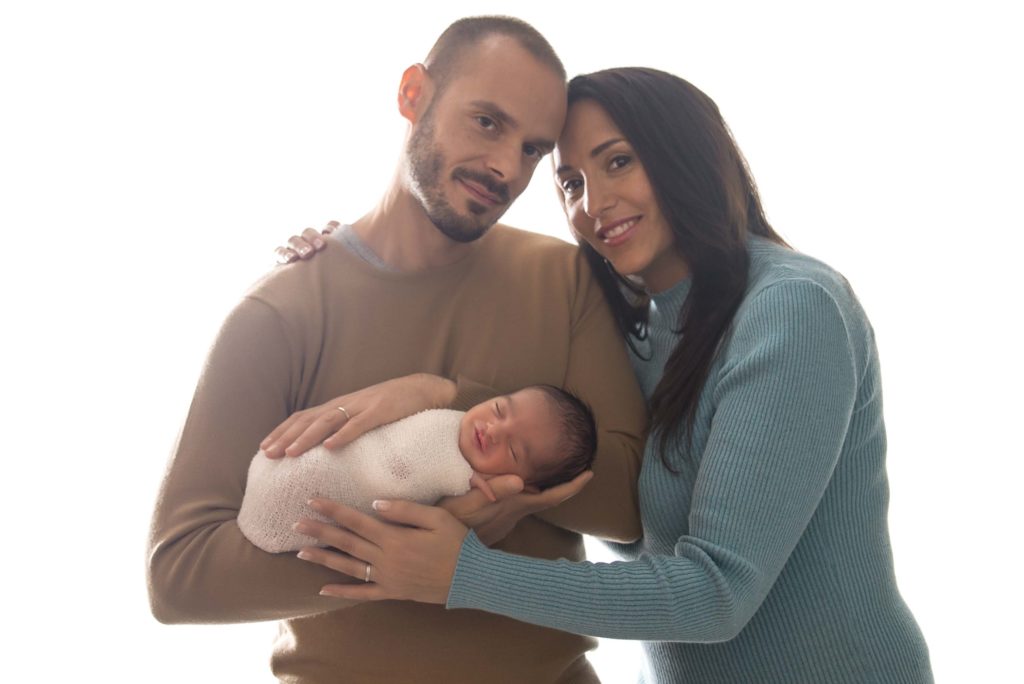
(518, 309)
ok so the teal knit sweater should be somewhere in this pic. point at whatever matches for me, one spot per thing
(766, 556)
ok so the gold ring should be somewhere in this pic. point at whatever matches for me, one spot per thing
(366, 575)
(347, 417)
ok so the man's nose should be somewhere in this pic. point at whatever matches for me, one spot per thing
(504, 162)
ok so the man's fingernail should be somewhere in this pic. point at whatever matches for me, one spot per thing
(380, 505)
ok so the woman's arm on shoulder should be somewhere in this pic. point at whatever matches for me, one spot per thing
(305, 246)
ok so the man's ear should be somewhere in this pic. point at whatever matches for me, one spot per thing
(415, 92)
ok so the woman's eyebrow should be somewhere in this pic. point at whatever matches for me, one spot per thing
(593, 153)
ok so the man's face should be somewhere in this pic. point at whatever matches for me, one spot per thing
(475, 148)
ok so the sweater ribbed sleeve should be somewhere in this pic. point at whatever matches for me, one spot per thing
(774, 441)
(765, 554)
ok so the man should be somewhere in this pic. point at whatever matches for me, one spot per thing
(422, 283)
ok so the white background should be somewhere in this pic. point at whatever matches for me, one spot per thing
(153, 154)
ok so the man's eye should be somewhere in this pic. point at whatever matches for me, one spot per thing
(486, 122)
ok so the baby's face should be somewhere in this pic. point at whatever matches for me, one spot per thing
(513, 434)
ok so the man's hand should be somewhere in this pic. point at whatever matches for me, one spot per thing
(306, 245)
(493, 521)
(364, 410)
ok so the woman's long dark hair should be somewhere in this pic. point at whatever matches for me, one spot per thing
(707, 195)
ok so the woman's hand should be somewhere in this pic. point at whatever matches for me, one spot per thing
(409, 554)
(306, 245)
(364, 410)
(492, 521)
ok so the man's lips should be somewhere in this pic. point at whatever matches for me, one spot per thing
(481, 193)
(617, 232)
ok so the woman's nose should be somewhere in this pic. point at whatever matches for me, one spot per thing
(596, 200)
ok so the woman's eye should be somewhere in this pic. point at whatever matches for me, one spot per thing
(619, 160)
(532, 151)
(571, 186)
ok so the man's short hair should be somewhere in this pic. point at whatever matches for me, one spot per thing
(456, 42)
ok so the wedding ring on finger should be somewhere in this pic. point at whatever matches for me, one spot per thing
(366, 574)
(347, 417)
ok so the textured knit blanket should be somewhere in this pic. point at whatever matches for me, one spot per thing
(416, 458)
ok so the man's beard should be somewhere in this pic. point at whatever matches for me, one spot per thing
(424, 167)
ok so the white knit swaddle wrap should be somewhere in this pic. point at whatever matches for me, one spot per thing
(416, 458)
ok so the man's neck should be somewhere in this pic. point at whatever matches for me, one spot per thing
(401, 234)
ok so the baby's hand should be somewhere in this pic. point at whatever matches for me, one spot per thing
(479, 480)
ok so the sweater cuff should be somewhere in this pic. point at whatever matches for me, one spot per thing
(469, 393)
(465, 581)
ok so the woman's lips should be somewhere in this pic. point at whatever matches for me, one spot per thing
(618, 232)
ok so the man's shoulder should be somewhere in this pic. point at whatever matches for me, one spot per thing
(506, 236)
(524, 249)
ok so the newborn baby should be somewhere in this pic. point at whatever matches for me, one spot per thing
(541, 433)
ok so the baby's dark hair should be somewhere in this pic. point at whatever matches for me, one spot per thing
(577, 441)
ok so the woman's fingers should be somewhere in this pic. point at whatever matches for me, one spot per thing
(285, 255)
(346, 565)
(412, 514)
(372, 530)
(314, 239)
(345, 540)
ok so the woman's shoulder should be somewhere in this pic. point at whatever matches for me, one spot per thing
(771, 263)
(777, 270)
(795, 290)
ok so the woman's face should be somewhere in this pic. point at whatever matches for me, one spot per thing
(609, 199)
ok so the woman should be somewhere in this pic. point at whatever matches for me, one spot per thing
(765, 555)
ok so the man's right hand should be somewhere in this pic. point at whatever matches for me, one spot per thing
(305, 246)
(364, 410)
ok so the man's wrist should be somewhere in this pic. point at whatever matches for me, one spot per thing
(442, 390)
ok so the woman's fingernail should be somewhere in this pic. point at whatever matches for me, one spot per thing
(305, 555)
(381, 505)
(318, 243)
(302, 528)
